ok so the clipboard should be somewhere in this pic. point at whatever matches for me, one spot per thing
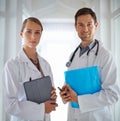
(83, 81)
(38, 90)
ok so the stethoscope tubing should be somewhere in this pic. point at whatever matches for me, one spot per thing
(73, 55)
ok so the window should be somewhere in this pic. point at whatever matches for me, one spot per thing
(2, 39)
(116, 50)
(115, 20)
(57, 42)
(115, 4)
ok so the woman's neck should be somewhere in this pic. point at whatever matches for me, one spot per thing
(31, 53)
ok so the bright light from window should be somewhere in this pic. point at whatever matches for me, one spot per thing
(57, 42)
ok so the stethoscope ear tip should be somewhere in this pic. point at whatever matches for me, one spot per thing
(68, 64)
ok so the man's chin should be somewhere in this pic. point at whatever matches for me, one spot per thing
(85, 39)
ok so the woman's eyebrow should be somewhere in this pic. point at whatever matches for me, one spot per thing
(37, 30)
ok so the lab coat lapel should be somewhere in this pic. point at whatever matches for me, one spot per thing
(32, 66)
(24, 58)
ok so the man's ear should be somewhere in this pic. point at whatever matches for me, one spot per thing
(75, 27)
(96, 25)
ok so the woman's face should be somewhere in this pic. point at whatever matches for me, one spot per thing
(31, 34)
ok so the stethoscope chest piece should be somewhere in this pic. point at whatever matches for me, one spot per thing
(68, 64)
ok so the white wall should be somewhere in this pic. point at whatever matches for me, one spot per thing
(10, 21)
(105, 25)
(115, 44)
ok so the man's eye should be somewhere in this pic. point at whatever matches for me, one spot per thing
(89, 24)
(80, 25)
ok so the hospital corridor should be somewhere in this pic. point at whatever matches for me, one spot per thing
(58, 40)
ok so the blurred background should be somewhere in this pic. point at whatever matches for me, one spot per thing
(59, 37)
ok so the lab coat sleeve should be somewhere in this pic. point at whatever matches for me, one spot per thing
(12, 104)
(110, 91)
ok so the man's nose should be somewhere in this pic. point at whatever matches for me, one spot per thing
(85, 28)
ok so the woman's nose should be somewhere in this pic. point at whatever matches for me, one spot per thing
(33, 36)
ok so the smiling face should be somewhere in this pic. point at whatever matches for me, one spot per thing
(85, 27)
(31, 34)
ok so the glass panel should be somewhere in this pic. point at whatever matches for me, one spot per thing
(116, 42)
(115, 4)
(55, 46)
(2, 35)
(2, 26)
(2, 5)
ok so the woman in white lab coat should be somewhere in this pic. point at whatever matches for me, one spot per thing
(27, 64)
(97, 106)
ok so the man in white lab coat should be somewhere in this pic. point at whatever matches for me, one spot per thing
(91, 52)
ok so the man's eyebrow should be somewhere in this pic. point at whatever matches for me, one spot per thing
(82, 23)
(90, 22)
(79, 22)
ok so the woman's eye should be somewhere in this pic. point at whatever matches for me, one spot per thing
(28, 31)
(37, 32)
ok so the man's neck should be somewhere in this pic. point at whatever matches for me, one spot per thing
(85, 43)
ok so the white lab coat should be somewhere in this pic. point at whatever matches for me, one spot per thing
(16, 72)
(97, 106)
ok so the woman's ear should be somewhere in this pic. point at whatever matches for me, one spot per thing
(21, 34)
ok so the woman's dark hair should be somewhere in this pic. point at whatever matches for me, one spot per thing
(32, 19)
(85, 11)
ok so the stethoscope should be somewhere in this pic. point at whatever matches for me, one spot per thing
(73, 55)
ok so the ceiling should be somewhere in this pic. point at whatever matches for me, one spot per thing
(50, 9)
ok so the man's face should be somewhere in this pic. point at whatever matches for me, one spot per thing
(85, 27)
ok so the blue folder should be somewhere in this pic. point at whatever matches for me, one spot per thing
(83, 81)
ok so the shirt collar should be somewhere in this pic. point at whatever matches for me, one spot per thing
(89, 46)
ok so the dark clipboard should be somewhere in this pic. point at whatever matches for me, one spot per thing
(38, 90)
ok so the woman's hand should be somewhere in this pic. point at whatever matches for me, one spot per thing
(51, 104)
(53, 94)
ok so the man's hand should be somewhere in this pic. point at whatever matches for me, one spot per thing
(67, 94)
